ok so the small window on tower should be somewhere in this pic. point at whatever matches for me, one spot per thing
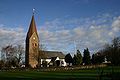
(34, 38)
(35, 44)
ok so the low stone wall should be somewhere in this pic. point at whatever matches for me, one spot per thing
(72, 68)
(57, 68)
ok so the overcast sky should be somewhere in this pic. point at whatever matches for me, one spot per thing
(61, 24)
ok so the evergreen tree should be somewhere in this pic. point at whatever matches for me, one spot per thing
(86, 56)
(68, 59)
(77, 59)
(93, 59)
(97, 58)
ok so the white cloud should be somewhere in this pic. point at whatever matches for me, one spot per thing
(11, 36)
(79, 31)
(89, 32)
(60, 34)
(116, 24)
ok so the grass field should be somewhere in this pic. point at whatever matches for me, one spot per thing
(107, 73)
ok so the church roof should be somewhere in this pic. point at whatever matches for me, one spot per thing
(32, 28)
(50, 54)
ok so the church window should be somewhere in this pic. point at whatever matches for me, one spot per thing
(34, 44)
(34, 38)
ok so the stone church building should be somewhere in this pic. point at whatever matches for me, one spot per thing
(34, 56)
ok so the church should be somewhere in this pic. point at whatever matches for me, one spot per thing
(34, 56)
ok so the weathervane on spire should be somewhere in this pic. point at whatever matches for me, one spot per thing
(33, 11)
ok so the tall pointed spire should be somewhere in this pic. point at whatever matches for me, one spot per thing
(32, 45)
(32, 27)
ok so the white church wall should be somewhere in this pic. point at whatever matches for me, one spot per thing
(62, 61)
(48, 60)
(57, 59)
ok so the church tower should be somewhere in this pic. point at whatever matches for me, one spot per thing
(32, 45)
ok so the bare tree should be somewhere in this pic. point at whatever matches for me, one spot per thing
(8, 55)
(112, 51)
(7, 52)
(12, 54)
(19, 53)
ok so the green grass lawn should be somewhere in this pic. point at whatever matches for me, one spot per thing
(82, 74)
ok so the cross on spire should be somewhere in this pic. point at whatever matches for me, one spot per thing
(33, 10)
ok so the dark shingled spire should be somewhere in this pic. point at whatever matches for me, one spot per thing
(32, 46)
(32, 28)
